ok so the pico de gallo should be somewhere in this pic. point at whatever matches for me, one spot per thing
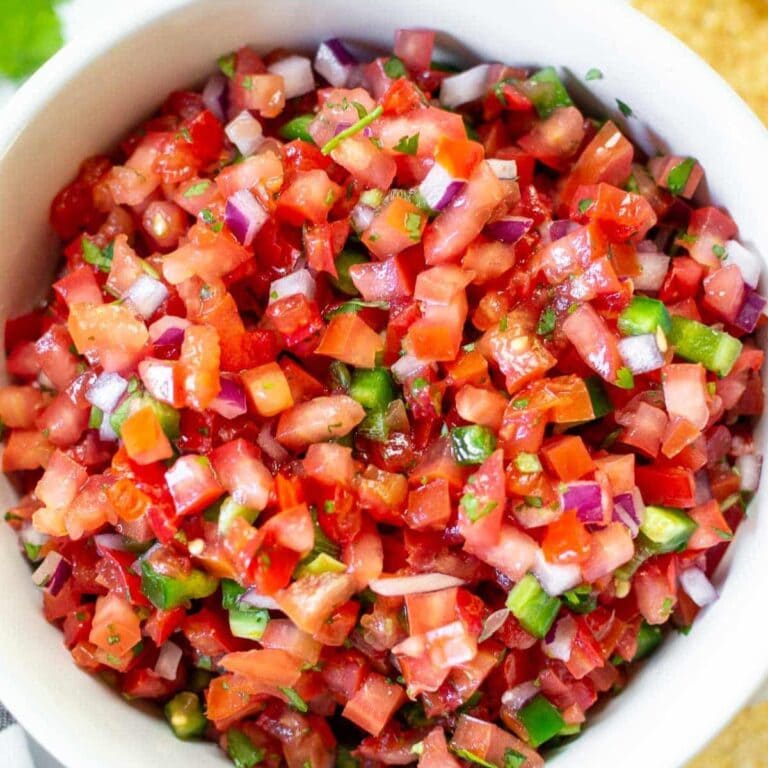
(381, 413)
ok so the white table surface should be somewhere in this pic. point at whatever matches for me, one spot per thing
(80, 17)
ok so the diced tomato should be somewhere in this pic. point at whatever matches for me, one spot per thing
(350, 339)
(239, 469)
(594, 341)
(192, 484)
(310, 601)
(374, 703)
(667, 486)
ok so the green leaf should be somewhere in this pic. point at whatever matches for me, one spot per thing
(624, 108)
(92, 254)
(584, 204)
(294, 699)
(594, 74)
(394, 68)
(329, 146)
(197, 189)
(355, 305)
(30, 33)
(408, 145)
(719, 251)
(625, 379)
(546, 325)
(679, 175)
(360, 109)
(513, 759)
(227, 64)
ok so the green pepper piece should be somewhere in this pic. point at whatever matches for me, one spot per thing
(166, 592)
(472, 444)
(716, 350)
(230, 509)
(199, 680)
(344, 261)
(547, 92)
(242, 751)
(648, 640)
(168, 416)
(231, 592)
(532, 606)
(298, 128)
(644, 315)
(185, 715)
(374, 426)
(541, 719)
(247, 622)
(373, 389)
(665, 529)
(581, 599)
(601, 405)
(322, 563)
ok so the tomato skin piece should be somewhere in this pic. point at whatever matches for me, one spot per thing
(624, 216)
(556, 139)
(573, 253)
(712, 528)
(239, 469)
(567, 540)
(115, 626)
(310, 601)
(144, 439)
(351, 340)
(192, 484)
(666, 486)
(724, 292)
(374, 703)
(383, 280)
(594, 341)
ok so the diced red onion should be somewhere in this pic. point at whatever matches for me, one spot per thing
(698, 587)
(244, 215)
(230, 402)
(245, 132)
(253, 599)
(515, 698)
(586, 498)
(267, 442)
(296, 72)
(406, 366)
(109, 541)
(470, 85)
(749, 466)
(299, 281)
(629, 509)
(168, 331)
(702, 491)
(641, 353)
(559, 640)
(503, 169)
(509, 229)
(52, 573)
(493, 623)
(334, 62)
(653, 269)
(168, 660)
(750, 311)
(105, 393)
(561, 228)
(555, 578)
(361, 217)
(745, 260)
(438, 187)
(215, 96)
(146, 295)
(394, 586)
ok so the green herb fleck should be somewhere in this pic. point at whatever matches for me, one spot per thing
(413, 225)
(408, 145)
(520, 404)
(294, 699)
(360, 109)
(513, 759)
(528, 462)
(546, 324)
(625, 379)
(593, 74)
(585, 204)
(679, 175)
(394, 68)
(719, 251)
(329, 146)
(94, 255)
(197, 189)
(624, 108)
(471, 757)
(533, 501)
(227, 64)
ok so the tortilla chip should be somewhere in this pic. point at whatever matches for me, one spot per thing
(743, 743)
(732, 35)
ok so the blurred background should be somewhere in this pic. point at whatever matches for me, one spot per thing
(732, 35)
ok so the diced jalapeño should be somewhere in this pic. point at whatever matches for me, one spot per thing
(716, 350)
(373, 388)
(185, 715)
(472, 444)
(665, 529)
(298, 128)
(541, 719)
(167, 592)
(532, 606)
(343, 262)
(644, 315)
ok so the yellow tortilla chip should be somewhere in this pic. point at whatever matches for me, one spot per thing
(732, 35)
(743, 743)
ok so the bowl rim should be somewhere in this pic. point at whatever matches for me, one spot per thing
(30, 100)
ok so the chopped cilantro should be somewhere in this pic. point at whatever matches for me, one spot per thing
(593, 74)
(679, 175)
(513, 759)
(625, 379)
(528, 462)
(520, 403)
(408, 145)
(413, 225)
(471, 757)
(294, 699)
(585, 204)
(197, 189)
(329, 146)
(247, 82)
(394, 68)
(419, 383)
(719, 251)
(227, 64)
(533, 501)
(92, 254)
(329, 197)
(360, 109)
(503, 324)
(472, 509)
(624, 108)
(546, 324)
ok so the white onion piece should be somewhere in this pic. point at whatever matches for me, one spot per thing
(504, 169)
(244, 215)
(698, 587)
(146, 295)
(518, 696)
(166, 324)
(438, 187)
(296, 72)
(299, 281)
(493, 623)
(653, 270)
(215, 95)
(559, 640)
(555, 579)
(334, 62)
(414, 585)
(641, 353)
(747, 262)
(406, 366)
(46, 570)
(167, 664)
(362, 217)
(749, 466)
(255, 600)
(413, 646)
(467, 86)
(106, 391)
(106, 433)
(245, 133)
(158, 378)
(266, 441)
(110, 541)
(30, 535)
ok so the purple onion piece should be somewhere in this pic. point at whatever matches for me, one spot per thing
(215, 96)
(439, 188)
(586, 499)
(750, 311)
(561, 228)
(334, 62)
(52, 573)
(171, 338)
(340, 51)
(244, 216)
(230, 402)
(509, 229)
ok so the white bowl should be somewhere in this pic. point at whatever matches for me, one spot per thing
(90, 94)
